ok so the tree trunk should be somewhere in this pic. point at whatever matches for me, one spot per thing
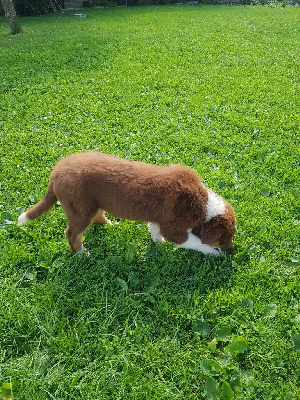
(11, 16)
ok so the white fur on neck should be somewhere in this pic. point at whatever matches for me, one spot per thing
(22, 219)
(215, 205)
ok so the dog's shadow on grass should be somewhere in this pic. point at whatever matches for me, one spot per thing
(133, 262)
(188, 270)
(128, 278)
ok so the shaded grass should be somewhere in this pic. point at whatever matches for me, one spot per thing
(214, 88)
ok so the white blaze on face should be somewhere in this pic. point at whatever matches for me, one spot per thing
(215, 205)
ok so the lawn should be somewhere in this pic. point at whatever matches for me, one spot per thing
(213, 87)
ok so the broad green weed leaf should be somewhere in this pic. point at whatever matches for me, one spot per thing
(151, 283)
(6, 216)
(45, 258)
(30, 274)
(9, 388)
(210, 367)
(247, 303)
(123, 285)
(296, 193)
(270, 310)
(6, 389)
(226, 391)
(223, 333)
(236, 380)
(116, 259)
(33, 199)
(201, 327)
(133, 280)
(265, 193)
(263, 229)
(131, 252)
(211, 388)
(212, 346)
(296, 341)
(238, 345)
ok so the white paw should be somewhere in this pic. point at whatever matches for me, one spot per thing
(112, 223)
(155, 233)
(83, 251)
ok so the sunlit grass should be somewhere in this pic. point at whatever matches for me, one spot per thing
(214, 88)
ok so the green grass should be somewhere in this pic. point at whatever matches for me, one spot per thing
(215, 88)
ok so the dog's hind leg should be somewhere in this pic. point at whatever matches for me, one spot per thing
(100, 217)
(74, 237)
(77, 225)
(74, 233)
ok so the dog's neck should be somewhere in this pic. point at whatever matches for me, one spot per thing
(215, 205)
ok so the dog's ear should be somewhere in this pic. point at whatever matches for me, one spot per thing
(210, 232)
(218, 232)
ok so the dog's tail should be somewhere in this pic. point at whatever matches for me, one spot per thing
(39, 208)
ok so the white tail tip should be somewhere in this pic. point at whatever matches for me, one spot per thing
(22, 219)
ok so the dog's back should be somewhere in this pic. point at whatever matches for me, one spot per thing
(123, 188)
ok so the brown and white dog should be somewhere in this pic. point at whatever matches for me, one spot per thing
(172, 199)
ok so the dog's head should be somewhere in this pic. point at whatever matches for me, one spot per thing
(218, 232)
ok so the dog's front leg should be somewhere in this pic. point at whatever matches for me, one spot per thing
(154, 230)
(194, 243)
